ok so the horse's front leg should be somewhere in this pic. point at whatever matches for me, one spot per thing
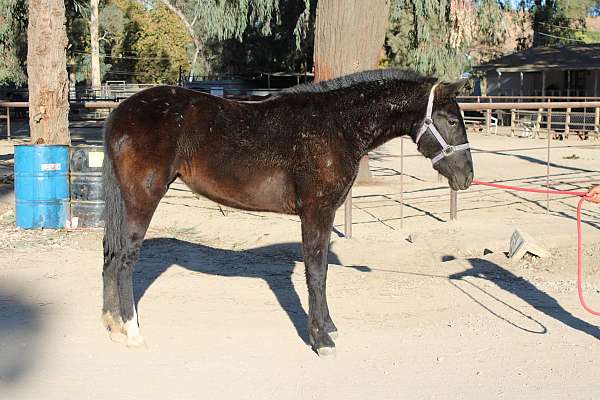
(316, 231)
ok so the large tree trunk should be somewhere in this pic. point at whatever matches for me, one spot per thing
(47, 72)
(349, 36)
(95, 44)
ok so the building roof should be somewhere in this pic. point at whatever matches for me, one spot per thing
(579, 56)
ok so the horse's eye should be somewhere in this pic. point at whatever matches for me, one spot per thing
(452, 122)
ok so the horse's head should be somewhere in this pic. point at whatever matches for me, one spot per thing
(442, 136)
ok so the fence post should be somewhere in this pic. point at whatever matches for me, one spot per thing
(401, 182)
(348, 216)
(548, 161)
(567, 122)
(512, 122)
(488, 120)
(8, 123)
(453, 204)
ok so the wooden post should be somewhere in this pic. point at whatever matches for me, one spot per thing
(488, 120)
(8, 122)
(512, 122)
(453, 204)
(567, 122)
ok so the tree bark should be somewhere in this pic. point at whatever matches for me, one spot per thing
(95, 44)
(349, 36)
(47, 72)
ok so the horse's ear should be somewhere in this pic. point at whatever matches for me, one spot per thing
(455, 88)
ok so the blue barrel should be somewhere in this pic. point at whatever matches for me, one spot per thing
(41, 185)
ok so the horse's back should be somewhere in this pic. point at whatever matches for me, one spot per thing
(167, 132)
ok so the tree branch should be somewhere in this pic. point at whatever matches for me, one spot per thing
(197, 42)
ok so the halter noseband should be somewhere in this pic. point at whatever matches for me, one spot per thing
(428, 125)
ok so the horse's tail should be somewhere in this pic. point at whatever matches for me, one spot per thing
(115, 213)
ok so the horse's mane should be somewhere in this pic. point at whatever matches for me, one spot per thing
(405, 75)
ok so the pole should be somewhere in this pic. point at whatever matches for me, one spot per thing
(548, 161)
(567, 123)
(348, 216)
(8, 122)
(401, 182)
(513, 116)
(453, 204)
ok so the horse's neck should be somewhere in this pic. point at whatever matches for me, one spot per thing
(371, 125)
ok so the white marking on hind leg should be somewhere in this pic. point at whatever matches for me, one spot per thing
(134, 337)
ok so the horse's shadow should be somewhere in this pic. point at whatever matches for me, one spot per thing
(273, 263)
(520, 287)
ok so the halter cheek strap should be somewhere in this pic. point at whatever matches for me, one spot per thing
(428, 125)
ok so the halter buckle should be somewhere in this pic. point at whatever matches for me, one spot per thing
(448, 150)
(428, 121)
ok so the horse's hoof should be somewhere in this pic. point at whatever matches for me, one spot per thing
(112, 324)
(324, 346)
(118, 337)
(135, 341)
(326, 351)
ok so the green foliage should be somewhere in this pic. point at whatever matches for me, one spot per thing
(288, 47)
(13, 42)
(78, 33)
(559, 22)
(225, 19)
(438, 37)
(588, 37)
(144, 46)
(419, 37)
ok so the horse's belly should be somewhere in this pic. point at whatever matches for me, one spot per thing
(266, 191)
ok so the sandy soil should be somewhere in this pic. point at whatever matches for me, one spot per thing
(427, 308)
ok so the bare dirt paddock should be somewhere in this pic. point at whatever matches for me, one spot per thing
(222, 295)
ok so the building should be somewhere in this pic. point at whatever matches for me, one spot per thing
(543, 71)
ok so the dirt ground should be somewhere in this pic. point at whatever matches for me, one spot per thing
(426, 308)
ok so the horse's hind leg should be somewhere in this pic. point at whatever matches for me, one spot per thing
(136, 230)
(118, 277)
(316, 232)
(128, 211)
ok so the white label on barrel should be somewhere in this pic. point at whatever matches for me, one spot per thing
(51, 167)
(95, 159)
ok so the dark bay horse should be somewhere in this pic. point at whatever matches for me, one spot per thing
(295, 153)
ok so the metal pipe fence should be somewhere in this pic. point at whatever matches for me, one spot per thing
(554, 116)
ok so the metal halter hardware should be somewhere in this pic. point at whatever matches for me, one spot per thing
(428, 125)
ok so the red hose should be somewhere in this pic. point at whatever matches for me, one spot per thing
(583, 196)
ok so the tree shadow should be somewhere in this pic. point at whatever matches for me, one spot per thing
(273, 263)
(20, 326)
(525, 290)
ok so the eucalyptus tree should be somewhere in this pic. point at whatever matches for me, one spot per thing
(47, 72)
(444, 37)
